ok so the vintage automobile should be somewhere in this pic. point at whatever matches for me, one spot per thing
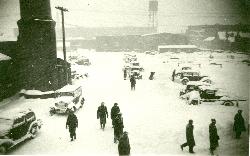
(136, 64)
(68, 99)
(184, 76)
(129, 58)
(16, 127)
(136, 72)
(83, 61)
(197, 92)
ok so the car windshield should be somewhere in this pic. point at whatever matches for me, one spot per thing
(190, 74)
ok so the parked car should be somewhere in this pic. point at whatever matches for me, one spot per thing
(136, 64)
(68, 99)
(136, 72)
(184, 76)
(197, 92)
(83, 61)
(16, 127)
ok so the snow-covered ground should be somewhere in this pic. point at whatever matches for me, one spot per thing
(153, 114)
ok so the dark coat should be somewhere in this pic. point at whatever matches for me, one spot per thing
(102, 112)
(190, 135)
(114, 111)
(132, 80)
(72, 121)
(124, 146)
(213, 136)
(239, 123)
(118, 126)
(118, 122)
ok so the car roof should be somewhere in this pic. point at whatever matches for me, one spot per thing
(69, 88)
(14, 113)
(191, 71)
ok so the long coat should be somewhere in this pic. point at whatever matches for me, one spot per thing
(118, 126)
(72, 121)
(190, 135)
(213, 136)
(102, 113)
(124, 146)
(114, 111)
(239, 123)
(132, 80)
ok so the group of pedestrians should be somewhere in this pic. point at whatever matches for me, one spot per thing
(238, 127)
(117, 123)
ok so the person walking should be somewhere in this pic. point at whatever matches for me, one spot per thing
(114, 111)
(173, 75)
(189, 136)
(118, 127)
(213, 136)
(239, 124)
(72, 124)
(132, 82)
(124, 146)
(125, 73)
(102, 113)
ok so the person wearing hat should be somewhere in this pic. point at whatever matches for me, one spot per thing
(102, 113)
(239, 124)
(114, 111)
(118, 127)
(124, 146)
(213, 136)
(189, 136)
(72, 124)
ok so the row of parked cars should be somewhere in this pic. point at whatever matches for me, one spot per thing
(16, 126)
(200, 88)
(132, 66)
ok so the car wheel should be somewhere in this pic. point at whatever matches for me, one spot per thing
(228, 103)
(33, 131)
(3, 150)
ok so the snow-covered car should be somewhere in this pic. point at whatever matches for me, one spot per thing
(136, 72)
(68, 99)
(16, 127)
(130, 58)
(197, 92)
(185, 76)
(136, 64)
(83, 61)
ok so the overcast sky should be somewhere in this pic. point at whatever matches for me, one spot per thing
(172, 14)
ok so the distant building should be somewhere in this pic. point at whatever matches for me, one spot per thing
(177, 48)
(227, 37)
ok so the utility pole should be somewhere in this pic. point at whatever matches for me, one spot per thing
(62, 9)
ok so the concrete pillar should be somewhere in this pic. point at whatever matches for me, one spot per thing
(37, 46)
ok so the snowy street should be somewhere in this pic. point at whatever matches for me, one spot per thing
(154, 115)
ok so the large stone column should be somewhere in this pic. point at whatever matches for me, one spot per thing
(37, 46)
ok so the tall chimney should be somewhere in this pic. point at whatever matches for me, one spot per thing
(37, 46)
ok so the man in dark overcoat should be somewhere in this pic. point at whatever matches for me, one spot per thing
(72, 124)
(239, 124)
(124, 146)
(213, 136)
(114, 111)
(102, 113)
(132, 82)
(118, 127)
(189, 136)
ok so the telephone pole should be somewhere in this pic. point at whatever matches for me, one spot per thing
(62, 9)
